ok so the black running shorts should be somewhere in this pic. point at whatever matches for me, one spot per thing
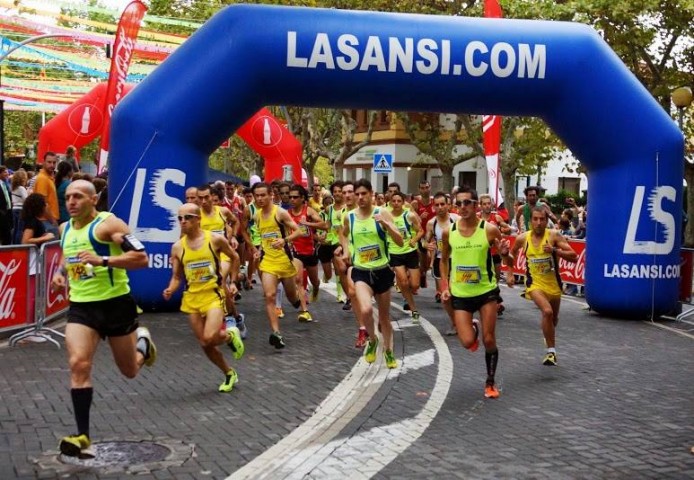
(380, 280)
(473, 304)
(326, 252)
(115, 317)
(409, 260)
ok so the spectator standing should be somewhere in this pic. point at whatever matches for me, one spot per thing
(63, 177)
(19, 194)
(5, 208)
(45, 185)
(71, 158)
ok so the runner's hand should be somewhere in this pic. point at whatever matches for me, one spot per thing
(510, 279)
(167, 293)
(445, 295)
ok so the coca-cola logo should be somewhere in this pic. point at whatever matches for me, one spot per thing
(121, 60)
(7, 292)
(54, 296)
(573, 270)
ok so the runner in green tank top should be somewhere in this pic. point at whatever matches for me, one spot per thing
(470, 282)
(98, 248)
(405, 259)
(365, 234)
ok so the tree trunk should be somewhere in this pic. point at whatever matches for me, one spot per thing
(689, 177)
(447, 180)
(509, 178)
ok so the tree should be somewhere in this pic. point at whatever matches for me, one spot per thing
(652, 37)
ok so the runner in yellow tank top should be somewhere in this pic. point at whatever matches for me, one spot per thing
(277, 230)
(98, 248)
(471, 278)
(195, 257)
(218, 219)
(543, 248)
(364, 241)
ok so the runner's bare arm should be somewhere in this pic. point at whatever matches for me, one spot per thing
(562, 248)
(443, 265)
(417, 227)
(176, 272)
(114, 230)
(385, 219)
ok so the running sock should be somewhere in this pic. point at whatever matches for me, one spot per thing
(491, 358)
(552, 350)
(81, 403)
(142, 346)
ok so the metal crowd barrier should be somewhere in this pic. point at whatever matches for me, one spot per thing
(48, 304)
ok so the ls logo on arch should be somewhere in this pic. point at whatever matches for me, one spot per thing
(149, 199)
(657, 214)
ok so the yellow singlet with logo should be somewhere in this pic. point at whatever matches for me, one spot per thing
(471, 273)
(215, 223)
(541, 273)
(91, 283)
(275, 261)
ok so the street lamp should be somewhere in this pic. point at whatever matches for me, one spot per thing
(682, 98)
(3, 56)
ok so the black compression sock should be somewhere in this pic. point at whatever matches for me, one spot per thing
(81, 403)
(491, 358)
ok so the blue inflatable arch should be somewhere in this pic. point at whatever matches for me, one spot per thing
(249, 56)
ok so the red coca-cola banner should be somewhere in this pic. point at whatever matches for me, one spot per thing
(14, 288)
(56, 300)
(570, 272)
(123, 48)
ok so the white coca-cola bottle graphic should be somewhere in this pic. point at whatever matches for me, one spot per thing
(86, 118)
(7, 293)
(267, 136)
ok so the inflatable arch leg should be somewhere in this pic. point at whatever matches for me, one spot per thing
(565, 73)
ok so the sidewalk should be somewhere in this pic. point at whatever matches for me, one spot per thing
(618, 406)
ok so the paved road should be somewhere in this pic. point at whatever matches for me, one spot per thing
(618, 406)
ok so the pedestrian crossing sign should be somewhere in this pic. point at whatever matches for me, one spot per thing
(383, 163)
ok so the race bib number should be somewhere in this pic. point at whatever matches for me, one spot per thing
(304, 230)
(370, 253)
(439, 245)
(200, 272)
(467, 274)
(268, 238)
(77, 270)
(541, 266)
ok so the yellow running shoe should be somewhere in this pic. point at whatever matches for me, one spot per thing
(232, 378)
(315, 291)
(76, 446)
(235, 343)
(390, 359)
(305, 316)
(370, 351)
(550, 359)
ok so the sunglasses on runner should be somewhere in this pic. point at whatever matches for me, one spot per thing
(466, 203)
(187, 217)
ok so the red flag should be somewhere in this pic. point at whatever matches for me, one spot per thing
(491, 126)
(123, 48)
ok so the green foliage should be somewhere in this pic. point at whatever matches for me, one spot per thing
(558, 202)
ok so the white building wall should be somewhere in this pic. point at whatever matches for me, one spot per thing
(362, 167)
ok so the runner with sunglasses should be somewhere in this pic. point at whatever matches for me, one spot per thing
(469, 282)
(196, 256)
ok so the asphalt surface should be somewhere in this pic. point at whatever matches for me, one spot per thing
(619, 405)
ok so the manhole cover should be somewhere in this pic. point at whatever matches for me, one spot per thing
(115, 454)
(129, 456)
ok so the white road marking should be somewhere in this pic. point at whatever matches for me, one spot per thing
(312, 448)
